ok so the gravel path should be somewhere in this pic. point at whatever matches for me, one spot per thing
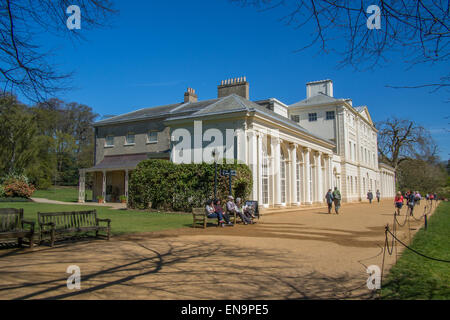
(305, 254)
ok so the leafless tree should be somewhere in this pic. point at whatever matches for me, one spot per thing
(401, 140)
(418, 30)
(25, 67)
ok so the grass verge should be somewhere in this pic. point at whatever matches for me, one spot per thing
(415, 277)
(66, 194)
(122, 221)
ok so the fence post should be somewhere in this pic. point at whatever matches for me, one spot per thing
(426, 222)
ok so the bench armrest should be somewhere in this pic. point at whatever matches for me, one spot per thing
(47, 224)
(104, 220)
(29, 222)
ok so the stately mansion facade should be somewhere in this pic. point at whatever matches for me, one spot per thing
(295, 152)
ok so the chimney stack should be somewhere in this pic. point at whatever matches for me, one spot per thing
(319, 87)
(190, 96)
(238, 86)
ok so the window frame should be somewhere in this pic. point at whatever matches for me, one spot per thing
(295, 118)
(106, 141)
(312, 117)
(328, 117)
(127, 143)
(148, 136)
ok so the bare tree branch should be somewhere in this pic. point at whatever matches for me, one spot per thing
(24, 66)
(418, 29)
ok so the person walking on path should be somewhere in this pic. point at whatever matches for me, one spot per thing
(370, 196)
(329, 198)
(398, 202)
(337, 199)
(378, 195)
(411, 201)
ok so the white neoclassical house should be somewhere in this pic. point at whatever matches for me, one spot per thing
(295, 152)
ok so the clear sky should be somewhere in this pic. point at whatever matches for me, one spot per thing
(154, 50)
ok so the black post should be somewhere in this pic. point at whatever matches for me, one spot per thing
(229, 174)
(426, 222)
(215, 180)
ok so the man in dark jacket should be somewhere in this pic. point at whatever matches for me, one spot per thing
(329, 198)
(370, 196)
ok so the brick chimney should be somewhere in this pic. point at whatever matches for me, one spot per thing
(190, 96)
(238, 86)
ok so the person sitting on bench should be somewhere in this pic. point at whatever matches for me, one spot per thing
(242, 211)
(231, 207)
(219, 210)
(211, 212)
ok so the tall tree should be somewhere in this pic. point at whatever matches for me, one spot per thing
(17, 135)
(400, 140)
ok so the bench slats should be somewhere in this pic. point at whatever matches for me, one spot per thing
(11, 225)
(70, 222)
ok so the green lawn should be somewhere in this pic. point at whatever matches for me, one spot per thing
(66, 194)
(415, 277)
(122, 221)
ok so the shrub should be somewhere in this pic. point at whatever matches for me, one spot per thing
(2, 191)
(18, 187)
(180, 187)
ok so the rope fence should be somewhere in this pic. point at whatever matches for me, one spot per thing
(390, 244)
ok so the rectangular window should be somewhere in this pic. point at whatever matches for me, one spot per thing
(109, 141)
(330, 115)
(152, 137)
(295, 118)
(130, 138)
(312, 117)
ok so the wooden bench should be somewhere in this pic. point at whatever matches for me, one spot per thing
(199, 216)
(255, 207)
(57, 223)
(12, 226)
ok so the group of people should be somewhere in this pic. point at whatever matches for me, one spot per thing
(214, 210)
(412, 198)
(370, 196)
(431, 196)
(333, 197)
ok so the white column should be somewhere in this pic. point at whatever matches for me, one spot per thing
(82, 186)
(241, 135)
(277, 176)
(253, 161)
(260, 161)
(319, 181)
(104, 186)
(293, 175)
(330, 172)
(307, 176)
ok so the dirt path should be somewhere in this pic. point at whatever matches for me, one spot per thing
(112, 205)
(295, 255)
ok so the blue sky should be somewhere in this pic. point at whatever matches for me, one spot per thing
(155, 49)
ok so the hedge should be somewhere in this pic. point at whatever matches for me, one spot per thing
(161, 184)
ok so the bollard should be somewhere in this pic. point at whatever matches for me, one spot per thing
(426, 224)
